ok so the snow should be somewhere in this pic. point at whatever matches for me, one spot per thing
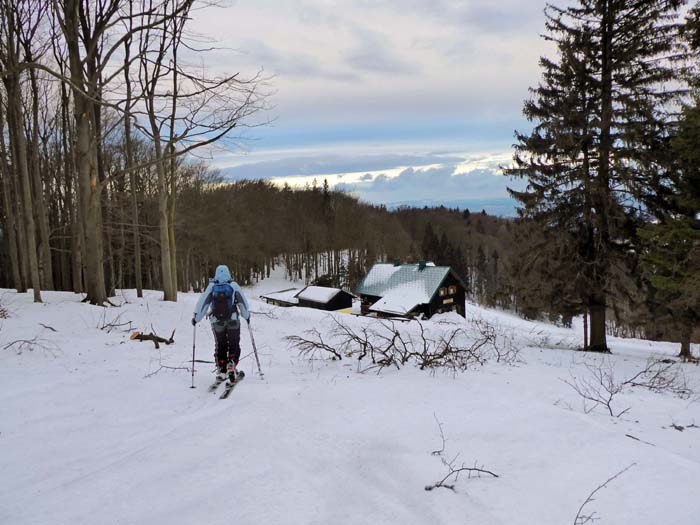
(318, 294)
(87, 437)
(402, 299)
(380, 274)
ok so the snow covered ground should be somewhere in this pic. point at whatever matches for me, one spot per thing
(87, 436)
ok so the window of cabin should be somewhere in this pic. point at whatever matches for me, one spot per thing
(443, 292)
(453, 289)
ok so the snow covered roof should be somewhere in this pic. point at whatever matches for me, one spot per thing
(318, 294)
(408, 281)
(286, 296)
(401, 300)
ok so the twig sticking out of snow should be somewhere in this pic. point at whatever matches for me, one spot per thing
(442, 438)
(453, 472)
(161, 366)
(582, 519)
(20, 345)
(114, 324)
(600, 387)
(661, 376)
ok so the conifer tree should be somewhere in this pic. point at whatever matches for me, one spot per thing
(593, 157)
(672, 243)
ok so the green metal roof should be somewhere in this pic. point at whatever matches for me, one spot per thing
(418, 285)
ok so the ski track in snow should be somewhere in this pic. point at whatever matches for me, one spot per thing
(86, 438)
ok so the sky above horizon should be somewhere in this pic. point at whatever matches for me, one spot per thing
(397, 101)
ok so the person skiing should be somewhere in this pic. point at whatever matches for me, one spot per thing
(222, 300)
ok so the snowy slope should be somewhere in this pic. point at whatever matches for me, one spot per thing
(86, 437)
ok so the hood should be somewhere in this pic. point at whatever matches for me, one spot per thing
(222, 275)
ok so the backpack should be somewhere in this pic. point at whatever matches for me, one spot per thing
(222, 301)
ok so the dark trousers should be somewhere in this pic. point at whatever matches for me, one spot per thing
(227, 336)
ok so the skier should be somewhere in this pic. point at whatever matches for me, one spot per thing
(221, 301)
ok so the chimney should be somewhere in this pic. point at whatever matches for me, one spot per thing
(422, 265)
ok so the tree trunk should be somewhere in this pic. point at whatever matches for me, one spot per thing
(598, 335)
(77, 248)
(169, 293)
(40, 208)
(601, 195)
(86, 161)
(10, 219)
(19, 151)
(686, 332)
(171, 222)
(128, 150)
(21, 236)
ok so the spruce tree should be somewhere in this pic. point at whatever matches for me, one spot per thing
(593, 157)
(672, 243)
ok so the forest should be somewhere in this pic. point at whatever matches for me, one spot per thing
(102, 115)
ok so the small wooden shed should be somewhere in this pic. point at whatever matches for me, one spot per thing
(323, 298)
(319, 297)
(282, 298)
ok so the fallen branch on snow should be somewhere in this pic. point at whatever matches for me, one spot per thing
(384, 343)
(138, 336)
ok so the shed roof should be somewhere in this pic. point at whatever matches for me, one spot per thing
(286, 296)
(318, 294)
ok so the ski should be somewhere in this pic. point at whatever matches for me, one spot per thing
(231, 385)
(215, 384)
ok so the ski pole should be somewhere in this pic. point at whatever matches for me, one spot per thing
(194, 338)
(255, 349)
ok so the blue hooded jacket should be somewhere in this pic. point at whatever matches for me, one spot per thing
(222, 275)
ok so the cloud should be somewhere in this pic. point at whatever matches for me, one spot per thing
(374, 53)
(289, 63)
(441, 177)
(442, 185)
(483, 16)
(385, 61)
(331, 164)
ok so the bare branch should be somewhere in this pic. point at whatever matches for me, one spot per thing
(582, 519)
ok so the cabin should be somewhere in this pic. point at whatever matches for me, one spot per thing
(411, 290)
(323, 298)
(319, 297)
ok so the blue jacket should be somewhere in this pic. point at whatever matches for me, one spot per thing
(222, 275)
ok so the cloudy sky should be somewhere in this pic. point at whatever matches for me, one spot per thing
(398, 101)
